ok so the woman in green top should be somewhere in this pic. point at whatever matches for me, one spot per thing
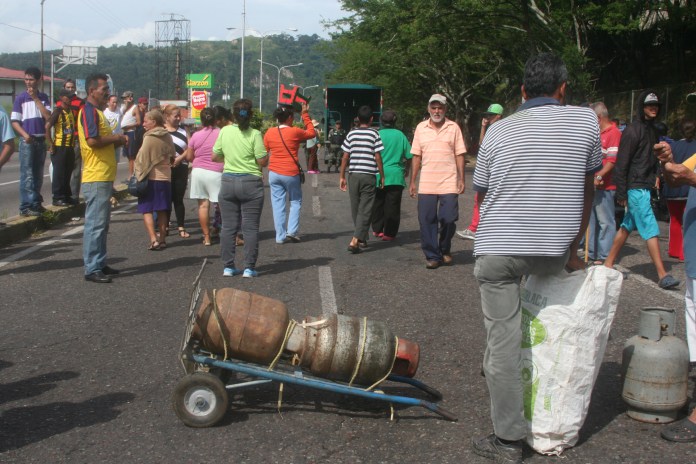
(396, 157)
(241, 191)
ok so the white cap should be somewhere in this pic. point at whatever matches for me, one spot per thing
(436, 97)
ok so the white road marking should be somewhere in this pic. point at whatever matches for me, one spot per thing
(326, 291)
(676, 294)
(316, 206)
(75, 230)
(315, 180)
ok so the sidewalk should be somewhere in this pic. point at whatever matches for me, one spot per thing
(18, 228)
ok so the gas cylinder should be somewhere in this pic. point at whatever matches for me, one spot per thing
(251, 326)
(255, 328)
(655, 368)
(352, 349)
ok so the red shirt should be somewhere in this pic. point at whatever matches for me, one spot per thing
(282, 159)
(610, 138)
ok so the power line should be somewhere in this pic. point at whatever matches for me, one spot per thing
(33, 32)
(106, 13)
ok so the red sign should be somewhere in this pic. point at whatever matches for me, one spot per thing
(199, 99)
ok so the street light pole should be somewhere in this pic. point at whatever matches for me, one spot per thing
(263, 37)
(241, 80)
(42, 45)
(279, 70)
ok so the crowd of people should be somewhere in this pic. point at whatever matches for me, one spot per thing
(519, 177)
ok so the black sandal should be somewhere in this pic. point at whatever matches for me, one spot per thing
(683, 431)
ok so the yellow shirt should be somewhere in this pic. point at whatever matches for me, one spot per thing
(98, 164)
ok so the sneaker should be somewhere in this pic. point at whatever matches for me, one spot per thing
(668, 282)
(492, 448)
(466, 234)
(250, 273)
(378, 234)
(387, 238)
(231, 272)
(29, 213)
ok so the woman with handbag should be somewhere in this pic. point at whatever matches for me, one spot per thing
(241, 191)
(285, 173)
(206, 174)
(153, 163)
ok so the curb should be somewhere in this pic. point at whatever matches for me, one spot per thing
(20, 228)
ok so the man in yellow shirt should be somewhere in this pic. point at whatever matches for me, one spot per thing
(98, 146)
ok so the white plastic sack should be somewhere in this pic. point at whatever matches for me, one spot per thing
(566, 320)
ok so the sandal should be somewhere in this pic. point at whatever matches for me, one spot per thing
(355, 249)
(206, 240)
(155, 246)
(163, 245)
(683, 431)
(183, 233)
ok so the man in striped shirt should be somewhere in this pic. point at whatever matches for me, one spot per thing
(30, 112)
(438, 155)
(534, 176)
(361, 156)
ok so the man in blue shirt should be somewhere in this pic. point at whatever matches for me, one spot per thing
(30, 112)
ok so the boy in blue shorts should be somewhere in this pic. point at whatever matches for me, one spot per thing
(635, 175)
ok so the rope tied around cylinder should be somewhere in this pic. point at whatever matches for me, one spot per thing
(216, 313)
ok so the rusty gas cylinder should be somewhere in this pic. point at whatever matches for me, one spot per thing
(355, 349)
(252, 325)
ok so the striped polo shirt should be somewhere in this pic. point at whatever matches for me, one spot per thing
(362, 144)
(532, 166)
(28, 114)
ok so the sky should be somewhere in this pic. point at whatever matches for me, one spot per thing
(104, 23)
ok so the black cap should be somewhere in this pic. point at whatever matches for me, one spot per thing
(65, 93)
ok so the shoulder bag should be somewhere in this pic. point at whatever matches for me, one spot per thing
(302, 176)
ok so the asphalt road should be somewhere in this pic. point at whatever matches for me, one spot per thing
(9, 185)
(87, 370)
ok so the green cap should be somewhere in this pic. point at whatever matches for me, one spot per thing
(494, 109)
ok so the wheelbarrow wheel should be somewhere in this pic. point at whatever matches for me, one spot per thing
(200, 400)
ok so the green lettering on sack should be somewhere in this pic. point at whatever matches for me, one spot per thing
(530, 386)
(533, 331)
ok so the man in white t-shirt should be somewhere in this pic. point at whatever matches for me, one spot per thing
(113, 116)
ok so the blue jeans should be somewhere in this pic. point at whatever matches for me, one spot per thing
(97, 216)
(282, 187)
(437, 215)
(32, 157)
(602, 225)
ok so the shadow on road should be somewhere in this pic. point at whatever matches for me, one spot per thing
(22, 426)
(33, 386)
(606, 401)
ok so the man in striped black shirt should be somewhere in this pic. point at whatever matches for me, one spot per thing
(534, 176)
(361, 156)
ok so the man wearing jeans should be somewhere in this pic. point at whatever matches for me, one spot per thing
(30, 112)
(534, 177)
(438, 155)
(98, 146)
(602, 219)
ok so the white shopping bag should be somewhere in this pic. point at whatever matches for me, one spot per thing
(566, 320)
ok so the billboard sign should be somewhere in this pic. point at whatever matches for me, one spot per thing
(199, 81)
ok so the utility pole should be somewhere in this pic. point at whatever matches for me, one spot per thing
(42, 45)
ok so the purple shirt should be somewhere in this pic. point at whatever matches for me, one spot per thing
(202, 144)
(28, 115)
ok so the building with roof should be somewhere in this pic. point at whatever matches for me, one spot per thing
(12, 84)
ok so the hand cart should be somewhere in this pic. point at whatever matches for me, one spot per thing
(200, 399)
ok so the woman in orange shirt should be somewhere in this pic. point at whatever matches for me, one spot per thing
(282, 143)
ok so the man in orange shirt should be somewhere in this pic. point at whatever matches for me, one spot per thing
(438, 155)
